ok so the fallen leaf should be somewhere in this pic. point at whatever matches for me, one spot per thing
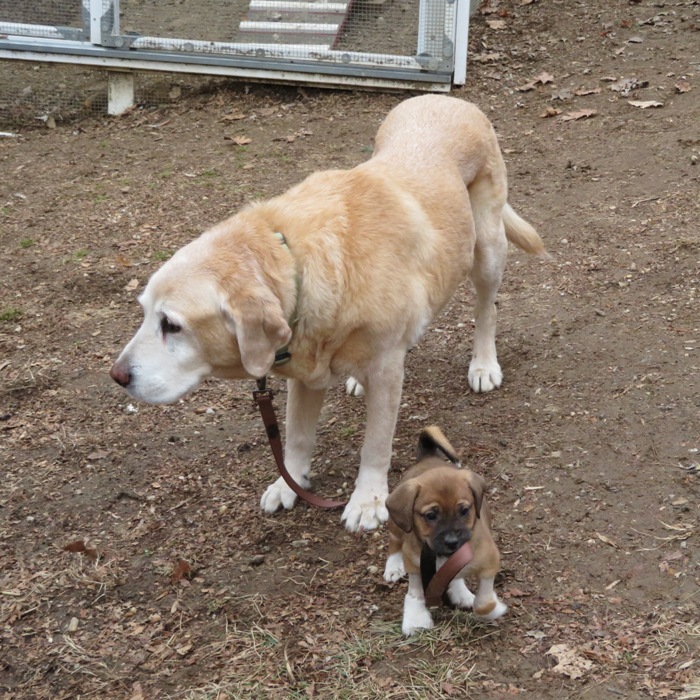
(94, 456)
(131, 285)
(626, 85)
(645, 104)
(496, 23)
(78, 547)
(605, 539)
(635, 40)
(236, 116)
(581, 114)
(563, 94)
(683, 86)
(569, 663)
(267, 111)
(180, 570)
(239, 140)
(527, 87)
(544, 78)
(550, 112)
(581, 92)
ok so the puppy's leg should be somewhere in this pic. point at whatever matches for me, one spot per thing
(365, 509)
(353, 387)
(416, 615)
(394, 568)
(459, 594)
(486, 274)
(487, 606)
(303, 409)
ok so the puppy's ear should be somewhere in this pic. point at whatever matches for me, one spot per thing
(477, 484)
(260, 329)
(400, 503)
(431, 441)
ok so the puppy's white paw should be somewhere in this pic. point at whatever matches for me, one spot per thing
(459, 594)
(415, 616)
(498, 610)
(279, 495)
(354, 388)
(394, 570)
(365, 511)
(484, 376)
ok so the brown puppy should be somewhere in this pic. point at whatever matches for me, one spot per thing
(441, 506)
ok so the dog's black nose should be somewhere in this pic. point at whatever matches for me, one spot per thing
(121, 375)
(451, 541)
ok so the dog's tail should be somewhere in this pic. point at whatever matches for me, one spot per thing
(431, 441)
(520, 233)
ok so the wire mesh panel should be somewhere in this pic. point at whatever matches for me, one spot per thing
(351, 39)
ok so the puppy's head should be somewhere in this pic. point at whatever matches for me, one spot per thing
(208, 311)
(440, 506)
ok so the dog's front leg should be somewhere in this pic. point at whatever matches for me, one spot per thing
(303, 409)
(365, 509)
(416, 615)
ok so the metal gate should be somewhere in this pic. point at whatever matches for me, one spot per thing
(409, 44)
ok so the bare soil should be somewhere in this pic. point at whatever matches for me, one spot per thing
(134, 561)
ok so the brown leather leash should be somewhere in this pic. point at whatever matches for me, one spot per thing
(435, 583)
(263, 397)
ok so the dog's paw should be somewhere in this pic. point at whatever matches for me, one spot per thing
(279, 495)
(394, 569)
(459, 594)
(365, 512)
(490, 612)
(415, 616)
(484, 377)
(354, 388)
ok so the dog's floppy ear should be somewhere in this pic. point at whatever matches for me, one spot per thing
(477, 484)
(260, 329)
(400, 504)
(431, 441)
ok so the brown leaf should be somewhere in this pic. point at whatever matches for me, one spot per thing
(581, 92)
(581, 114)
(78, 547)
(496, 23)
(550, 112)
(180, 570)
(607, 540)
(527, 87)
(544, 78)
(239, 140)
(683, 86)
(236, 116)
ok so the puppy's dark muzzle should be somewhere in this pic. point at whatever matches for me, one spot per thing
(447, 543)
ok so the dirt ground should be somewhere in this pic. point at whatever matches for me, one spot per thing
(134, 561)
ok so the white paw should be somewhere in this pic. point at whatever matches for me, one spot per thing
(499, 610)
(354, 388)
(365, 511)
(415, 616)
(459, 594)
(394, 570)
(484, 376)
(278, 494)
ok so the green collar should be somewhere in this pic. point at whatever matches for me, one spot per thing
(282, 355)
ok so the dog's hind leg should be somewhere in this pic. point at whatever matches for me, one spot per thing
(487, 606)
(490, 253)
(303, 410)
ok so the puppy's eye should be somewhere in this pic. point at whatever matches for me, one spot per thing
(167, 326)
(463, 511)
(431, 516)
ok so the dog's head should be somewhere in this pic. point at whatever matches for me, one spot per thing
(208, 311)
(441, 506)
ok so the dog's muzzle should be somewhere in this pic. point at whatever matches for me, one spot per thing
(449, 541)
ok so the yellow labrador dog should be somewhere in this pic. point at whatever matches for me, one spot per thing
(340, 275)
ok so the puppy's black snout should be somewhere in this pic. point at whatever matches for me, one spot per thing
(121, 375)
(451, 541)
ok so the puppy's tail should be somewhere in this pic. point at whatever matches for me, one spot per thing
(431, 441)
(520, 233)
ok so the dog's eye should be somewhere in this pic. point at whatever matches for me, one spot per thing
(463, 511)
(431, 516)
(167, 326)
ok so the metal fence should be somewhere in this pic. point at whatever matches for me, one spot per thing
(413, 44)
